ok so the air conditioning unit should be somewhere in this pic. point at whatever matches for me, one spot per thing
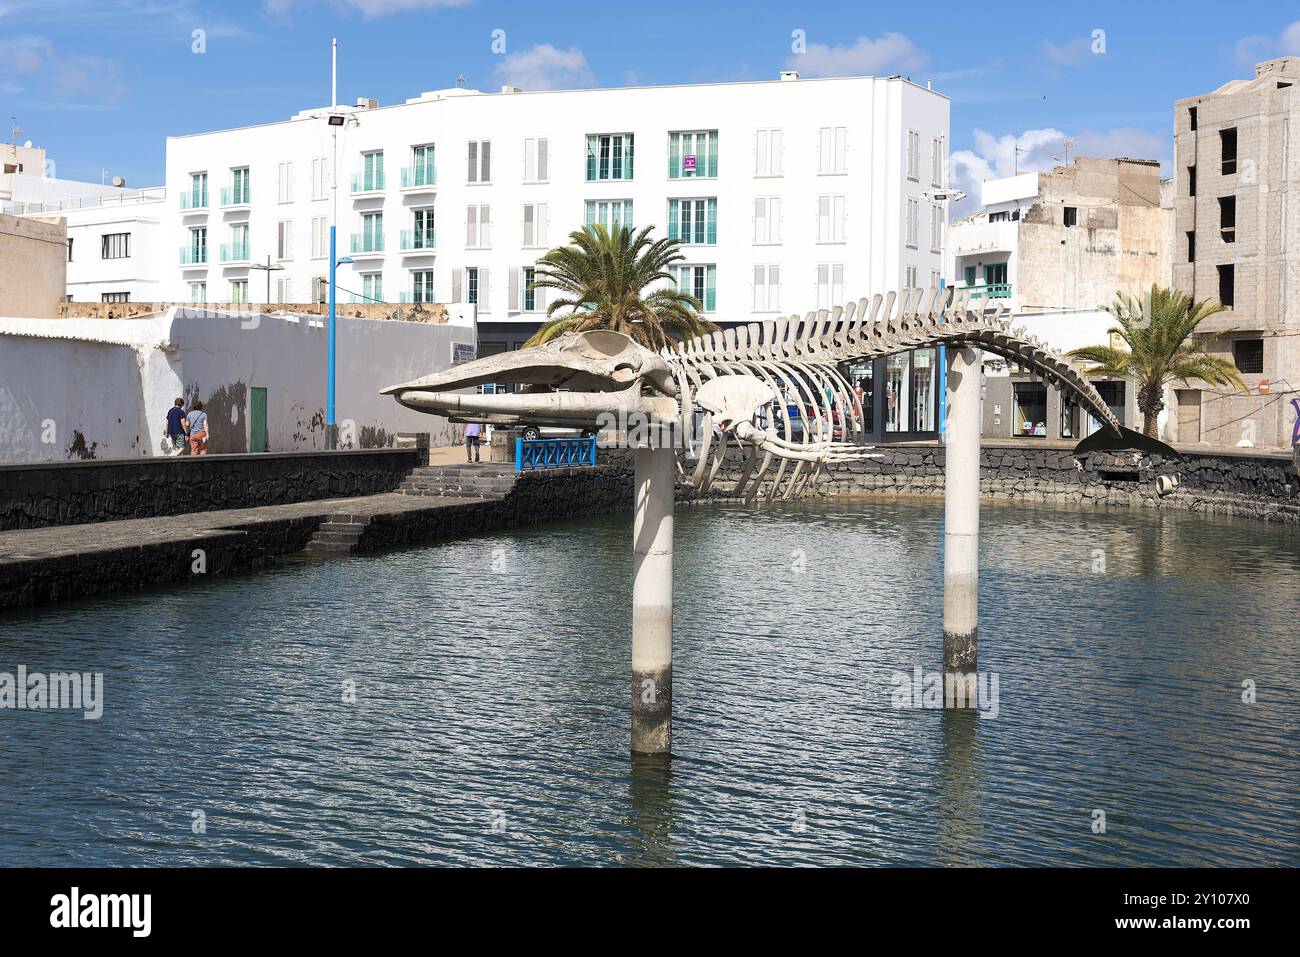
(365, 103)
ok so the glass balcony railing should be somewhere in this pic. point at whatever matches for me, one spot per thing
(194, 255)
(368, 182)
(234, 252)
(193, 201)
(414, 177)
(417, 239)
(234, 196)
(993, 290)
(410, 298)
(367, 243)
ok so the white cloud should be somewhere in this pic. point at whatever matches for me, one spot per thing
(370, 9)
(994, 157)
(1252, 49)
(543, 67)
(888, 54)
(1071, 53)
(62, 75)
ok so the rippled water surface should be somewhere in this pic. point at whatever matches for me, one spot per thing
(491, 716)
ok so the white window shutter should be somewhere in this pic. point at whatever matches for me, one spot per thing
(514, 289)
(457, 285)
(539, 297)
(544, 223)
(543, 159)
(485, 226)
(774, 218)
(484, 287)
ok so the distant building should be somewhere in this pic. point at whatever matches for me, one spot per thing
(113, 252)
(1237, 227)
(1056, 247)
(33, 266)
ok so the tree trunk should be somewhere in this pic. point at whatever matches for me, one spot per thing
(1150, 400)
(1149, 427)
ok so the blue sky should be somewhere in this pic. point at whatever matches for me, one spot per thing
(100, 83)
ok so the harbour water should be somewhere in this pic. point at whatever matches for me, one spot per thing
(467, 702)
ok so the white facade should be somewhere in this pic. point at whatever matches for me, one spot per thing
(815, 194)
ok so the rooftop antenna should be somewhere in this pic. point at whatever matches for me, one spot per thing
(1068, 143)
(1015, 159)
(460, 79)
(14, 131)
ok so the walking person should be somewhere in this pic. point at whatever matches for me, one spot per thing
(175, 431)
(197, 420)
(473, 437)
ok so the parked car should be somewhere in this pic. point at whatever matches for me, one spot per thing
(532, 432)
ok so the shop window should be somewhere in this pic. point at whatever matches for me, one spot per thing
(1029, 401)
(896, 392)
(923, 390)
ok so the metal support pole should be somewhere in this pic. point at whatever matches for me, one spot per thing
(961, 516)
(652, 602)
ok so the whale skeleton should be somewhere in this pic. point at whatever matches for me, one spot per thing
(742, 381)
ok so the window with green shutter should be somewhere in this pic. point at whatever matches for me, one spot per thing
(609, 156)
(693, 154)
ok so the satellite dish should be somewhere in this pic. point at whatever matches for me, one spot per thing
(118, 181)
(27, 145)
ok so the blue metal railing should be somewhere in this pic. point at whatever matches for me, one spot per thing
(554, 453)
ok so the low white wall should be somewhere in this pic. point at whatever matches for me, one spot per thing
(115, 394)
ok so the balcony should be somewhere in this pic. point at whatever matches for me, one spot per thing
(367, 244)
(368, 184)
(993, 290)
(194, 255)
(233, 197)
(415, 242)
(411, 298)
(419, 179)
(192, 202)
(233, 253)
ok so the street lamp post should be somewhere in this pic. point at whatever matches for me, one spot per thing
(268, 269)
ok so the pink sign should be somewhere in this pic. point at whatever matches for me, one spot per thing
(688, 163)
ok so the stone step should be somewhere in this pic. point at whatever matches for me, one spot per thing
(333, 534)
(315, 547)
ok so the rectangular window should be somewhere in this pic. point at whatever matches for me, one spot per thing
(115, 246)
(479, 161)
(423, 170)
(372, 287)
(372, 234)
(536, 159)
(832, 219)
(698, 281)
(936, 161)
(936, 228)
(239, 191)
(609, 156)
(198, 197)
(1191, 181)
(913, 223)
(693, 221)
(611, 213)
(830, 285)
(199, 244)
(422, 235)
(1191, 246)
(833, 149)
(198, 292)
(70, 238)
(284, 182)
(924, 389)
(693, 154)
(913, 155)
(1070, 217)
(523, 297)
(114, 297)
(284, 240)
(1228, 218)
(239, 291)
(767, 220)
(897, 376)
(422, 286)
(284, 290)
(320, 237)
(320, 178)
(372, 173)
(1029, 409)
(909, 277)
(536, 219)
(767, 288)
(476, 287)
(478, 226)
(1228, 150)
(769, 153)
(1226, 283)
(1191, 117)
(1248, 355)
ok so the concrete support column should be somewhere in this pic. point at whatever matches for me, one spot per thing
(652, 602)
(961, 513)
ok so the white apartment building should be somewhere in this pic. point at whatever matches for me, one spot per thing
(789, 195)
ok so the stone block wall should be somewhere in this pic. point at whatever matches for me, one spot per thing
(71, 493)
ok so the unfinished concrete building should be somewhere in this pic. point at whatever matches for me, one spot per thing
(1237, 227)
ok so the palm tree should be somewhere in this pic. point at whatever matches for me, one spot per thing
(603, 276)
(1157, 331)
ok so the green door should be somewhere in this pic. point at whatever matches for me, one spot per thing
(257, 421)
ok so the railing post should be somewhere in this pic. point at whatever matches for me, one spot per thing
(519, 453)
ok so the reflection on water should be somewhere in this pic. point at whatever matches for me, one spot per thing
(490, 719)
